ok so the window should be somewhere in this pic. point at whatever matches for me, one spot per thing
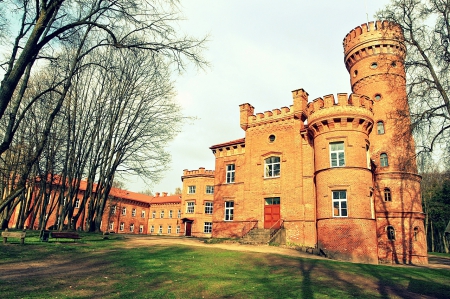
(337, 156)
(154, 214)
(111, 226)
(178, 229)
(169, 229)
(152, 229)
(387, 194)
(229, 210)
(374, 65)
(113, 210)
(390, 231)
(124, 211)
(77, 203)
(170, 214)
(122, 225)
(133, 212)
(230, 173)
(416, 233)
(190, 207)
(179, 214)
(340, 203)
(142, 214)
(272, 200)
(141, 229)
(380, 128)
(272, 167)
(132, 227)
(384, 160)
(207, 228)
(208, 207)
(271, 138)
(160, 229)
(191, 189)
(161, 215)
(209, 189)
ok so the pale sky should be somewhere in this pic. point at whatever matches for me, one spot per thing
(259, 51)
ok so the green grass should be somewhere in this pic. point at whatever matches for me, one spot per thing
(97, 268)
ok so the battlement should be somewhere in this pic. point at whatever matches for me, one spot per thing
(201, 172)
(297, 110)
(378, 29)
(328, 101)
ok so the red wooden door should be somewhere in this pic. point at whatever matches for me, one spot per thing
(188, 226)
(271, 216)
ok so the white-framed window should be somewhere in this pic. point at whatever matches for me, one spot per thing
(390, 231)
(337, 155)
(152, 229)
(179, 214)
(111, 226)
(169, 229)
(141, 229)
(387, 194)
(142, 214)
(77, 203)
(384, 160)
(272, 201)
(170, 214)
(161, 214)
(153, 214)
(209, 189)
(272, 167)
(339, 203)
(208, 207)
(207, 228)
(133, 212)
(229, 210)
(132, 227)
(191, 189)
(178, 229)
(380, 128)
(124, 211)
(160, 229)
(190, 207)
(113, 209)
(230, 173)
(122, 226)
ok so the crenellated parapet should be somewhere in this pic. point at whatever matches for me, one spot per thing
(353, 112)
(201, 172)
(297, 110)
(380, 37)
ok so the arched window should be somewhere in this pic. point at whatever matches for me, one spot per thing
(387, 194)
(384, 160)
(390, 231)
(416, 233)
(380, 128)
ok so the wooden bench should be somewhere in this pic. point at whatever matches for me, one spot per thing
(18, 235)
(65, 235)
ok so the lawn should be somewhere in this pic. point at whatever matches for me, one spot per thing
(97, 268)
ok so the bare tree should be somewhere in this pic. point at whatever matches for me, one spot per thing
(426, 26)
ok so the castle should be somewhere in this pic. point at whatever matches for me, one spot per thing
(336, 175)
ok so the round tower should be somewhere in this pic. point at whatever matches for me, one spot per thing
(374, 56)
(346, 222)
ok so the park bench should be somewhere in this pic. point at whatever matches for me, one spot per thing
(18, 235)
(65, 235)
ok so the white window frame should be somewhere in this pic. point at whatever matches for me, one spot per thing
(191, 189)
(178, 229)
(142, 214)
(169, 229)
(230, 173)
(122, 226)
(141, 229)
(111, 226)
(170, 214)
(133, 212)
(380, 127)
(209, 189)
(132, 227)
(229, 211)
(153, 214)
(384, 160)
(152, 229)
(272, 167)
(179, 214)
(160, 230)
(339, 203)
(161, 214)
(77, 203)
(124, 211)
(208, 207)
(207, 228)
(113, 209)
(337, 154)
(190, 207)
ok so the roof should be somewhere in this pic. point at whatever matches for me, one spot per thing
(233, 142)
(166, 199)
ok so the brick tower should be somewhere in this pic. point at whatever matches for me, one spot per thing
(346, 221)
(374, 56)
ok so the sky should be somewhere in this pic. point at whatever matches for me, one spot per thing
(259, 51)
